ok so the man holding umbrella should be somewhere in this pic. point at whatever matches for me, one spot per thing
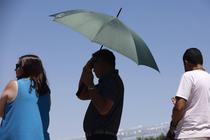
(103, 115)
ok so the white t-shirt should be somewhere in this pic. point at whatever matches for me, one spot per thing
(195, 88)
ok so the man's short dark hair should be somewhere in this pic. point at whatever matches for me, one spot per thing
(193, 56)
(105, 55)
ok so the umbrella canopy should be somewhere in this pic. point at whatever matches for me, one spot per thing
(110, 32)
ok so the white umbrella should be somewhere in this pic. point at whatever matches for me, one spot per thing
(110, 32)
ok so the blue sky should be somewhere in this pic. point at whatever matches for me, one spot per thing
(168, 27)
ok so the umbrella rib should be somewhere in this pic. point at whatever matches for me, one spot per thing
(104, 26)
(156, 66)
(118, 14)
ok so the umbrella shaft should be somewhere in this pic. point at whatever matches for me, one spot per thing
(119, 12)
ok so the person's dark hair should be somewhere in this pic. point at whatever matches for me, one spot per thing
(193, 56)
(31, 66)
(105, 55)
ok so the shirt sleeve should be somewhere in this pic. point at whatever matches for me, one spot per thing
(108, 90)
(185, 87)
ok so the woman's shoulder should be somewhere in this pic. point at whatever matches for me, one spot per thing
(11, 90)
(12, 84)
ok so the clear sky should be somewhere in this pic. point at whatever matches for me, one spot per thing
(168, 27)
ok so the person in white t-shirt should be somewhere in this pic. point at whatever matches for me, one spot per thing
(191, 112)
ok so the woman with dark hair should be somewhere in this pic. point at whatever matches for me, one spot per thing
(25, 102)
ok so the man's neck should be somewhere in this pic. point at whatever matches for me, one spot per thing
(198, 67)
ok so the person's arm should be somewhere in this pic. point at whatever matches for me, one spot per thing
(102, 104)
(82, 92)
(178, 110)
(180, 102)
(177, 114)
(9, 94)
(3, 102)
(90, 92)
(181, 98)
